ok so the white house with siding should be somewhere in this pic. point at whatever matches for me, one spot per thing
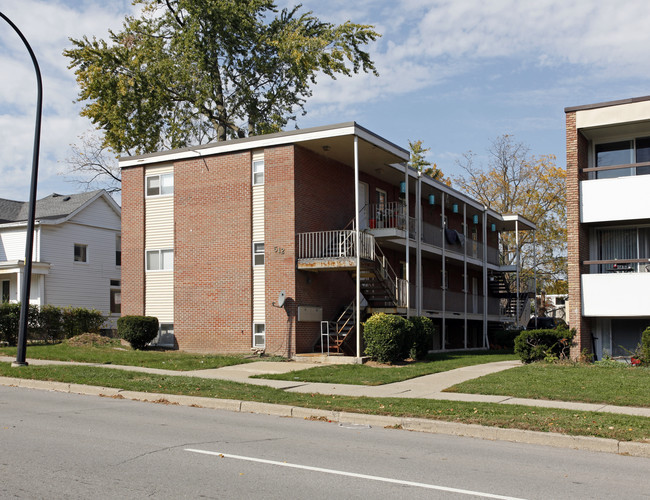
(76, 260)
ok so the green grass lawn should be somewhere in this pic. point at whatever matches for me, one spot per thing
(114, 353)
(621, 427)
(373, 375)
(608, 384)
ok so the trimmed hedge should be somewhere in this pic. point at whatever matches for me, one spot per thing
(137, 330)
(549, 345)
(48, 323)
(421, 337)
(386, 337)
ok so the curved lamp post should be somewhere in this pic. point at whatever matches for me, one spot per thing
(27, 274)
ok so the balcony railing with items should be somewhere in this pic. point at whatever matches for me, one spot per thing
(610, 266)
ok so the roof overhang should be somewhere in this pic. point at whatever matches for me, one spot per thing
(332, 141)
(14, 266)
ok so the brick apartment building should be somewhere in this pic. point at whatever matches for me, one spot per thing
(253, 243)
(608, 224)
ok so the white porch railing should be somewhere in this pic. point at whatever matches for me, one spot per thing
(335, 244)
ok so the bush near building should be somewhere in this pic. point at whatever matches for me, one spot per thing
(548, 345)
(137, 330)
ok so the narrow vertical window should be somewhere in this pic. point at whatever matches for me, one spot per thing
(259, 335)
(258, 254)
(118, 250)
(115, 297)
(258, 172)
(5, 290)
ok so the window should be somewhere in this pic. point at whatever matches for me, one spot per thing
(116, 298)
(258, 172)
(158, 185)
(622, 244)
(160, 260)
(258, 254)
(118, 250)
(80, 253)
(259, 335)
(623, 153)
(5, 290)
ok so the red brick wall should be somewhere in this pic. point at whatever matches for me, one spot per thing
(212, 245)
(133, 241)
(324, 197)
(578, 236)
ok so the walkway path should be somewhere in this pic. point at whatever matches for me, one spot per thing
(426, 387)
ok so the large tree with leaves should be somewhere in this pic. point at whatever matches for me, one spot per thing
(511, 181)
(194, 71)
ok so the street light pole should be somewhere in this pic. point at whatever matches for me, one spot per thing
(29, 245)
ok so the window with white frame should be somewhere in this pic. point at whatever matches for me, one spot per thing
(160, 260)
(258, 254)
(80, 253)
(115, 297)
(258, 172)
(6, 288)
(160, 185)
(259, 335)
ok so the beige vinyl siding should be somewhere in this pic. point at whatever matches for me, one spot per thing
(259, 280)
(258, 213)
(159, 234)
(159, 295)
(259, 310)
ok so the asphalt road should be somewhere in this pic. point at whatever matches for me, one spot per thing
(57, 445)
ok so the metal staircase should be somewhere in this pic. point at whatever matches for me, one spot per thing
(511, 302)
(336, 335)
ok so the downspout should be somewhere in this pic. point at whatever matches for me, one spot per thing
(357, 245)
(408, 241)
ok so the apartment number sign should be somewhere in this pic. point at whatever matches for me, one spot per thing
(278, 250)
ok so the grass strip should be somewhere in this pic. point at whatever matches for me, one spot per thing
(372, 375)
(115, 354)
(615, 384)
(620, 427)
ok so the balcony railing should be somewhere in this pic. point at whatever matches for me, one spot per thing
(335, 244)
(385, 215)
(618, 266)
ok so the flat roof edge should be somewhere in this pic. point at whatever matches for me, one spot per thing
(606, 104)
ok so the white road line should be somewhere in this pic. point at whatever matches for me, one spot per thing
(353, 474)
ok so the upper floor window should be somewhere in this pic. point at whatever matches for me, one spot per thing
(160, 260)
(118, 250)
(158, 185)
(80, 253)
(623, 153)
(258, 172)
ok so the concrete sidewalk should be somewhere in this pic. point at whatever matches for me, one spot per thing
(425, 387)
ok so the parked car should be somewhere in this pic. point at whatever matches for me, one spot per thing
(545, 323)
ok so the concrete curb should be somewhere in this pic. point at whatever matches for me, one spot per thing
(585, 443)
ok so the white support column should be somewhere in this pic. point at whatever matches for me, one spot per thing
(518, 263)
(407, 243)
(418, 243)
(485, 280)
(444, 273)
(357, 245)
(465, 281)
(19, 283)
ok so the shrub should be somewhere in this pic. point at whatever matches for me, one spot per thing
(386, 337)
(78, 320)
(9, 321)
(645, 346)
(137, 330)
(50, 325)
(537, 345)
(420, 339)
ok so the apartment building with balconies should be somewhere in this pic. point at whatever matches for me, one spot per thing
(287, 242)
(608, 224)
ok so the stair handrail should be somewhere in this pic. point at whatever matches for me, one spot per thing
(339, 327)
(389, 274)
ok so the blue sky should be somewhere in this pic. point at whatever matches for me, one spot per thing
(453, 73)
